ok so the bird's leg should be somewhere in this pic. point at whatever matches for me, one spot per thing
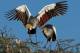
(36, 38)
(50, 46)
(36, 43)
(48, 40)
(46, 44)
(30, 38)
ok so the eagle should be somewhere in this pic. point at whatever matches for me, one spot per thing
(22, 13)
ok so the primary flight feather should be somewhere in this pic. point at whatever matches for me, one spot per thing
(21, 13)
(51, 10)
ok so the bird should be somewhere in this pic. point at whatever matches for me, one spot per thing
(49, 32)
(22, 13)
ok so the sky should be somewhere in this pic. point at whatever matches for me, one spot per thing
(67, 26)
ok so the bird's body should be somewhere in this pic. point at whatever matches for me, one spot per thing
(32, 25)
(49, 32)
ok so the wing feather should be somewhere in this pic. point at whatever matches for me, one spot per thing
(21, 13)
(51, 10)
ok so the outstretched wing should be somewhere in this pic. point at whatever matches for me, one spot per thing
(21, 13)
(51, 10)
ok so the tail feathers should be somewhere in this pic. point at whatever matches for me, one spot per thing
(49, 39)
(54, 37)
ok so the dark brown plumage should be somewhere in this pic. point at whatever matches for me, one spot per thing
(20, 13)
(52, 10)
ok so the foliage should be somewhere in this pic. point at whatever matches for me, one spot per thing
(11, 44)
